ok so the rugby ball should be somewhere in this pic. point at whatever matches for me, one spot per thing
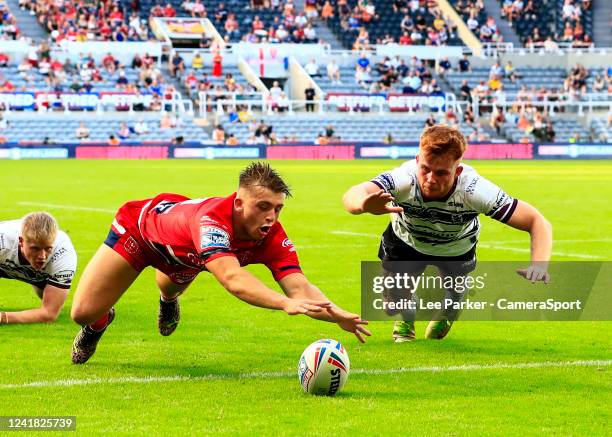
(324, 367)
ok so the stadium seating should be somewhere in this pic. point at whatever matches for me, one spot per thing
(566, 130)
(57, 129)
(387, 23)
(464, 7)
(547, 18)
(346, 127)
(602, 129)
(529, 77)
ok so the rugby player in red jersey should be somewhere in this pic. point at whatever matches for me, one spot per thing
(181, 237)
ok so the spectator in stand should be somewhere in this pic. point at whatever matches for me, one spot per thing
(309, 94)
(141, 127)
(165, 122)
(443, 66)
(275, 90)
(197, 62)
(4, 60)
(232, 27)
(283, 103)
(191, 80)
(217, 67)
(218, 134)
(312, 68)
(113, 141)
(232, 140)
(82, 132)
(431, 121)
(177, 64)
(465, 92)
(464, 64)
(333, 72)
(124, 131)
(327, 11)
(497, 119)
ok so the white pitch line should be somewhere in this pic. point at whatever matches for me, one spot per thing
(523, 250)
(75, 208)
(278, 375)
(483, 245)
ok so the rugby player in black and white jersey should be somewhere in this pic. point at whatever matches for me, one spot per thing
(435, 201)
(35, 251)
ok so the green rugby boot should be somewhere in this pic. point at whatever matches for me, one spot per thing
(437, 329)
(403, 331)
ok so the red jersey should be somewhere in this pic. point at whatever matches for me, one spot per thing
(189, 233)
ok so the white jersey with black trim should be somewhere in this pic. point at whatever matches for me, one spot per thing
(58, 271)
(446, 227)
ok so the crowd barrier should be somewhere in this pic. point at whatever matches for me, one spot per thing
(336, 151)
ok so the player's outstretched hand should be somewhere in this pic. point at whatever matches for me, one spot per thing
(350, 322)
(303, 306)
(535, 273)
(378, 203)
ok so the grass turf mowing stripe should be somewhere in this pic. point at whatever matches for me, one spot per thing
(263, 375)
(483, 245)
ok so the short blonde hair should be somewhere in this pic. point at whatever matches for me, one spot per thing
(39, 226)
(443, 140)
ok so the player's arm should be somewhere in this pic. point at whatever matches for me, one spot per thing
(52, 302)
(527, 218)
(368, 197)
(297, 286)
(247, 287)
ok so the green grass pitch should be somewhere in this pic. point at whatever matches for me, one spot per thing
(225, 368)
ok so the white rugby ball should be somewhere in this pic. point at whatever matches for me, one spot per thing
(324, 367)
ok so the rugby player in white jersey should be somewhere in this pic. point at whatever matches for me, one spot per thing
(35, 251)
(434, 201)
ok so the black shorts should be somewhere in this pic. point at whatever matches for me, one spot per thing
(398, 257)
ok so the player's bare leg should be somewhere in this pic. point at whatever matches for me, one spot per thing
(169, 309)
(107, 276)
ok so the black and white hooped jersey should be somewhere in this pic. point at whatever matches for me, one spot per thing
(446, 227)
(58, 271)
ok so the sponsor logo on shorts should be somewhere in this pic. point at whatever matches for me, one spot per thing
(131, 246)
(212, 236)
(182, 277)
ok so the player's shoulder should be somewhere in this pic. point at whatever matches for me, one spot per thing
(216, 212)
(468, 181)
(398, 177)
(10, 226)
(9, 233)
